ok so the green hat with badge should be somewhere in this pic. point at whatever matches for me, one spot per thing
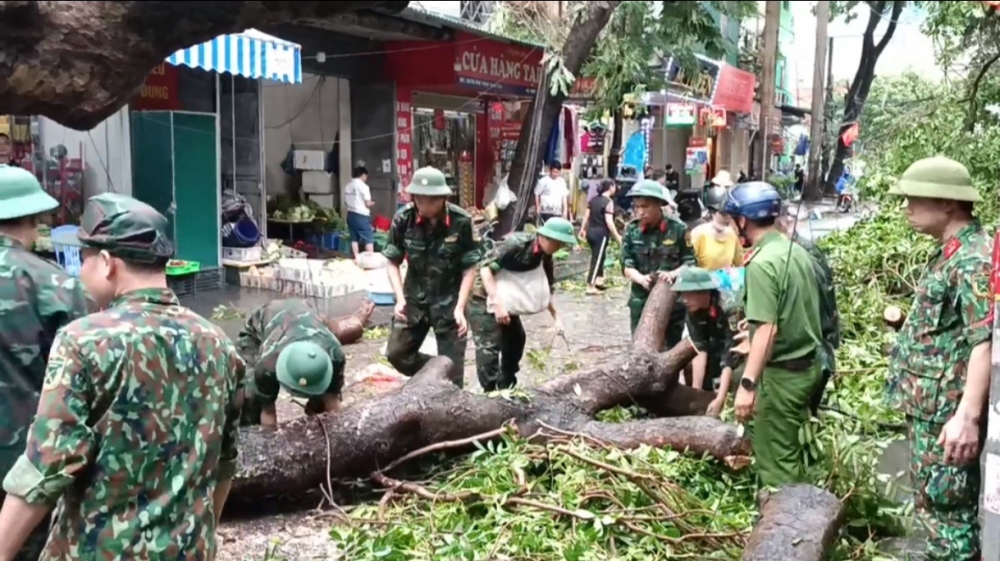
(22, 195)
(124, 227)
(304, 368)
(651, 189)
(695, 279)
(558, 229)
(430, 182)
(937, 178)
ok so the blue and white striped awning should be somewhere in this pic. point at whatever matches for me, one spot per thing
(251, 54)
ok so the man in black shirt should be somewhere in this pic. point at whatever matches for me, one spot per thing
(800, 178)
(673, 179)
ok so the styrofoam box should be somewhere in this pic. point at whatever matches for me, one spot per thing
(242, 254)
(312, 160)
(318, 182)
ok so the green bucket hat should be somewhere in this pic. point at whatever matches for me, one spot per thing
(558, 229)
(22, 195)
(937, 178)
(430, 182)
(304, 368)
(124, 227)
(694, 279)
(651, 189)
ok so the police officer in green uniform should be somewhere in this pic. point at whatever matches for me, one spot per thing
(435, 238)
(940, 366)
(499, 335)
(713, 326)
(654, 247)
(286, 344)
(781, 304)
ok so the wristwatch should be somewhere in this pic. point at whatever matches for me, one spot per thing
(748, 384)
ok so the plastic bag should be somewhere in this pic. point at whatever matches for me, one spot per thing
(504, 196)
(523, 293)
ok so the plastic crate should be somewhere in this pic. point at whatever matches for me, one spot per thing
(182, 268)
(242, 254)
(336, 241)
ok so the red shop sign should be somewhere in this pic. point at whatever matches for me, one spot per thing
(734, 91)
(714, 117)
(404, 142)
(485, 64)
(159, 91)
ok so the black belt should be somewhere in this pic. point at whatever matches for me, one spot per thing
(796, 364)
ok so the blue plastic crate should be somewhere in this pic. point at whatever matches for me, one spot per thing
(336, 241)
(382, 298)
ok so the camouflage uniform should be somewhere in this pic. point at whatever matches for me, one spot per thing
(269, 330)
(829, 317)
(714, 331)
(662, 247)
(138, 416)
(951, 314)
(438, 254)
(36, 299)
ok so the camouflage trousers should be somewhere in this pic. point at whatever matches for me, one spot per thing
(499, 348)
(946, 497)
(675, 328)
(403, 348)
(35, 544)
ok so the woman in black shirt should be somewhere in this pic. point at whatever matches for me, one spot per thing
(597, 226)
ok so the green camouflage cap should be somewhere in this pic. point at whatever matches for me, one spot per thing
(937, 178)
(651, 189)
(22, 195)
(304, 368)
(429, 181)
(694, 279)
(124, 227)
(558, 229)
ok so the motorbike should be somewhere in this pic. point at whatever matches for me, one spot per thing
(845, 194)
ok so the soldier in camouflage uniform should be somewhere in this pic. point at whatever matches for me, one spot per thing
(654, 247)
(135, 434)
(829, 316)
(286, 344)
(435, 238)
(713, 326)
(940, 366)
(36, 299)
(499, 336)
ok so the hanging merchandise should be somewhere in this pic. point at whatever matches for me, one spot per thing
(695, 156)
(634, 154)
(466, 181)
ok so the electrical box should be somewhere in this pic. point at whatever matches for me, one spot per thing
(318, 182)
(309, 160)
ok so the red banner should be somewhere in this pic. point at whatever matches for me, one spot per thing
(485, 64)
(159, 91)
(404, 142)
(734, 90)
(850, 135)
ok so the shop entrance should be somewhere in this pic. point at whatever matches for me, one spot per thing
(444, 136)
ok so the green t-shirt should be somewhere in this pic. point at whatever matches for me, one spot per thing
(781, 289)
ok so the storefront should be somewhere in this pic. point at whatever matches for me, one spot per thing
(459, 107)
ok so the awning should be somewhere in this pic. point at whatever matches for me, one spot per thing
(251, 54)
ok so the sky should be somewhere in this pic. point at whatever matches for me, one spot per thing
(909, 49)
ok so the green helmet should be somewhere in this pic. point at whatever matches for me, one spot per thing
(651, 189)
(714, 197)
(124, 227)
(22, 195)
(558, 229)
(429, 181)
(937, 178)
(304, 368)
(694, 279)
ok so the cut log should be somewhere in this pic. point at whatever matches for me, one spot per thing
(797, 523)
(429, 409)
(79, 62)
(350, 329)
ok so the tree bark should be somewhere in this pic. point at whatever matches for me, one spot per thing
(862, 83)
(615, 152)
(797, 523)
(544, 110)
(300, 455)
(79, 62)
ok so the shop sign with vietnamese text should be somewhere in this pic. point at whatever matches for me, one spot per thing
(679, 115)
(699, 84)
(404, 141)
(486, 64)
(159, 91)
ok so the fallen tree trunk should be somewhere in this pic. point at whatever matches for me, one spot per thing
(301, 455)
(79, 62)
(797, 523)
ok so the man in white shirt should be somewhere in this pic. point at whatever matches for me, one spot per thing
(552, 195)
(358, 197)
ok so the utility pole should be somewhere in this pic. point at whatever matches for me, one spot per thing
(814, 185)
(769, 61)
(828, 119)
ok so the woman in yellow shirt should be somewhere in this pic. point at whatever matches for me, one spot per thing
(716, 244)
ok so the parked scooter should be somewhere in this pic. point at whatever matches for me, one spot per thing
(845, 193)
